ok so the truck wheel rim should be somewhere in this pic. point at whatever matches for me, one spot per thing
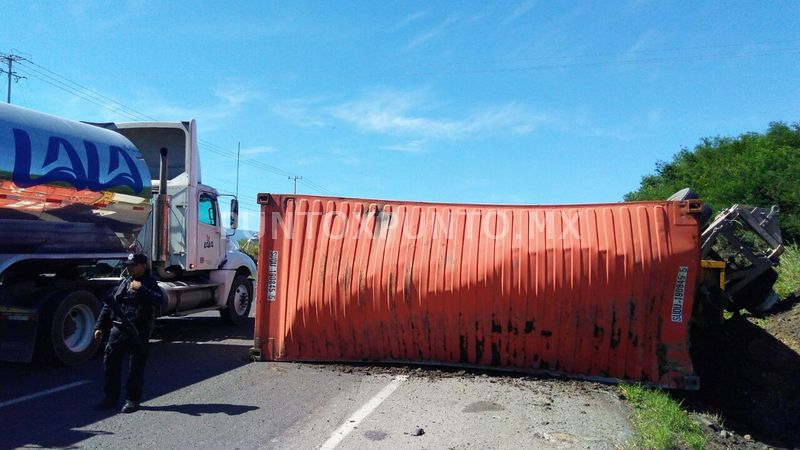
(241, 300)
(78, 328)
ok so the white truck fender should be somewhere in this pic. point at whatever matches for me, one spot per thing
(233, 263)
(236, 259)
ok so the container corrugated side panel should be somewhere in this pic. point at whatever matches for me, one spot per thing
(588, 290)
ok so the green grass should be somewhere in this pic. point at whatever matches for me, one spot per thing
(788, 272)
(788, 282)
(659, 421)
(760, 321)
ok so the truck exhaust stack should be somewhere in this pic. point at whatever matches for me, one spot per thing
(161, 221)
(62, 223)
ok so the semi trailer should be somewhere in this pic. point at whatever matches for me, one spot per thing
(75, 199)
(601, 291)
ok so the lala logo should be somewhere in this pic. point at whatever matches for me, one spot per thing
(121, 170)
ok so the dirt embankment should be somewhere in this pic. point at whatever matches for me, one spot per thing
(750, 377)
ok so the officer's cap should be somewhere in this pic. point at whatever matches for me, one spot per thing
(136, 258)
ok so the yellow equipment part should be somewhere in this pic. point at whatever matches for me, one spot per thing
(713, 270)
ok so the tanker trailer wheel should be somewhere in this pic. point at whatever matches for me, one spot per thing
(240, 299)
(70, 332)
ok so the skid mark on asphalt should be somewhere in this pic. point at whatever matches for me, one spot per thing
(43, 393)
(352, 422)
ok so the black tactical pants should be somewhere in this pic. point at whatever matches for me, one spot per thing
(119, 345)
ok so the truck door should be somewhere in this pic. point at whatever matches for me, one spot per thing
(209, 236)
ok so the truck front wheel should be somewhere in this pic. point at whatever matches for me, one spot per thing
(239, 301)
(71, 328)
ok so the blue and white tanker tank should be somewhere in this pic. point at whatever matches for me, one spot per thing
(68, 187)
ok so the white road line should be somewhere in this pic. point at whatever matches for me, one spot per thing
(352, 422)
(43, 393)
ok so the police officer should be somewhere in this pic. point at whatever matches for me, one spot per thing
(138, 297)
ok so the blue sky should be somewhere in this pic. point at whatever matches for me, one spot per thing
(535, 102)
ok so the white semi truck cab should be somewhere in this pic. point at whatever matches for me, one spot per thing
(77, 198)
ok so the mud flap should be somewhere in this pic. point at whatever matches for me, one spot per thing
(18, 331)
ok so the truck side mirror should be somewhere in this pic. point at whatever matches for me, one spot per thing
(234, 214)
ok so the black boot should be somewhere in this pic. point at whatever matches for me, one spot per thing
(130, 406)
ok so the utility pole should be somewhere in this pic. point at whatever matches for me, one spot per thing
(10, 60)
(295, 178)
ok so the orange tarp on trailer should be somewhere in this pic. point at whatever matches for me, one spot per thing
(601, 290)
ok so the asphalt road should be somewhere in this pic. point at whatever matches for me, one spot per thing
(201, 391)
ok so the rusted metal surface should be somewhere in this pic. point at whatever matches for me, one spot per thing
(600, 290)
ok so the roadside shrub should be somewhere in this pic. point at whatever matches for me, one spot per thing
(249, 246)
(788, 272)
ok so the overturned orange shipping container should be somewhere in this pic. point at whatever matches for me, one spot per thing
(597, 291)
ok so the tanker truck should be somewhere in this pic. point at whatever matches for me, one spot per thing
(75, 199)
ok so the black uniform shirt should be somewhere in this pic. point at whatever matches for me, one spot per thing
(139, 307)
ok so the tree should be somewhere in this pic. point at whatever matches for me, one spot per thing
(752, 169)
(249, 246)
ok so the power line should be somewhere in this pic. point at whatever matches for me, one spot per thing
(87, 95)
(103, 101)
(238, 153)
(315, 186)
(263, 166)
(747, 46)
(79, 90)
(245, 188)
(21, 92)
(611, 62)
(295, 178)
(83, 91)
